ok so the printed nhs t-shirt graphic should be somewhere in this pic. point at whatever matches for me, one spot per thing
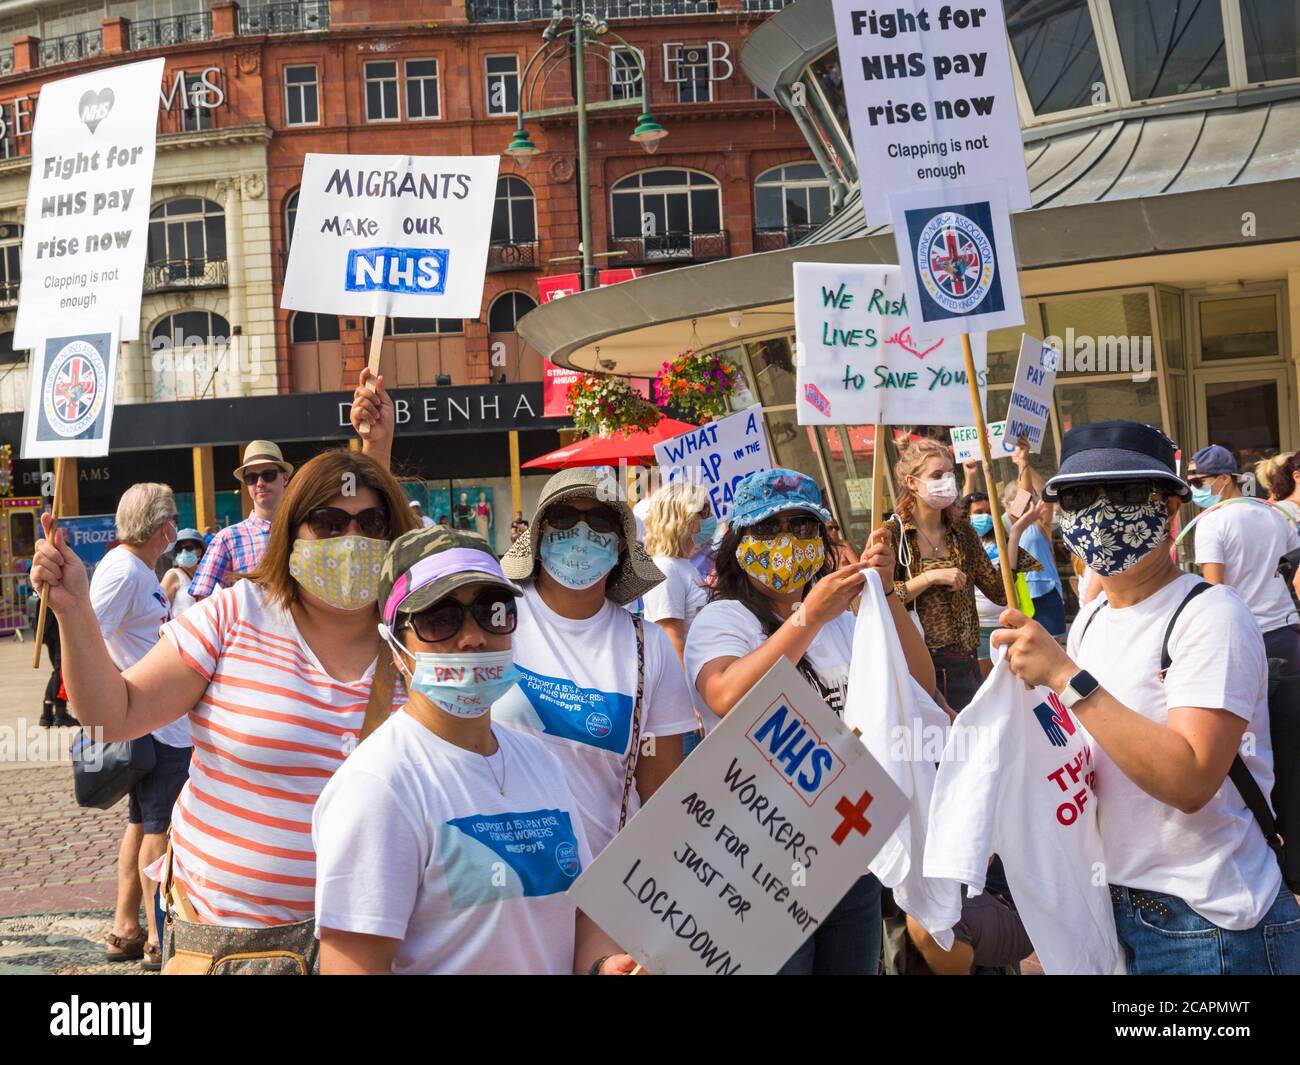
(956, 260)
(557, 706)
(488, 857)
(1055, 720)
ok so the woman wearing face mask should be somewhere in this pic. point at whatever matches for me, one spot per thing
(459, 799)
(276, 673)
(176, 581)
(583, 658)
(779, 595)
(940, 563)
(1194, 885)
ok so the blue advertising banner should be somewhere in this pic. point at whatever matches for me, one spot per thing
(90, 536)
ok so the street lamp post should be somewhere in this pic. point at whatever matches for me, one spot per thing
(647, 133)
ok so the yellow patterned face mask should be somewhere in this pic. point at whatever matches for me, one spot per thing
(785, 564)
(343, 571)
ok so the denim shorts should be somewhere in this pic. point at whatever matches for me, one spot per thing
(1167, 937)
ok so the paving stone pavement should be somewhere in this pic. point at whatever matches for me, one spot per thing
(60, 944)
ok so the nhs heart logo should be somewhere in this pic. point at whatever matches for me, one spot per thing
(94, 107)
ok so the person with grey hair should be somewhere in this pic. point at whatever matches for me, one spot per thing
(131, 609)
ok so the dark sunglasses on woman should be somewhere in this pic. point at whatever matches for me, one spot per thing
(329, 522)
(802, 525)
(494, 611)
(598, 519)
(269, 476)
(1121, 493)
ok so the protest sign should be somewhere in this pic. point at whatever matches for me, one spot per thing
(392, 235)
(930, 99)
(858, 361)
(87, 219)
(746, 848)
(71, 383)
(717, 456)
(966, 442)
(958, 260)
(1031, 394)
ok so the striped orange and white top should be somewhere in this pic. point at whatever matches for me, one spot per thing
(270, 730)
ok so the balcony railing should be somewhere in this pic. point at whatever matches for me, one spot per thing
(531, 10)
(764, 5)
(670, 248)
(304, 16)
(9, 295)
(161, 32)
(776, 239)
(71, 47)
(505, 255)
(184, 273)
(6, 60)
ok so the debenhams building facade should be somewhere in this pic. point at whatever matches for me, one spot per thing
(1162, 143)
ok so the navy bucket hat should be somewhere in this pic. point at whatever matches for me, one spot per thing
(1116, 451)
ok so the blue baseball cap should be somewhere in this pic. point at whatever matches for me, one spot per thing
(1214, 460)
(760, 495)
(1116, 451)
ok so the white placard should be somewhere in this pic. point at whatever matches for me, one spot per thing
(399, 235)
(931, 99)
(858, 361)
(72, 382)
(717, 456)
(748, 846)
(958, 260)
(87, 222)
(966, 442)
(1031, 394)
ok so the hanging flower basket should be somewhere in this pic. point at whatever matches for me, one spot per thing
(697, 385)
(604, 405)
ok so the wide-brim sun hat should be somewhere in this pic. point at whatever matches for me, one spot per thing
(260, 453)
(633, 575)
(190, 535)
(767, 492)
(424, 566)
(1116, 451)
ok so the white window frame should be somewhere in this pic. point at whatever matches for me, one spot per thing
(404, 93)
(365, 88)
(490, 76)
(614, 53)
(820, 182)
(301, 86)
(673, 68)
(664, 190)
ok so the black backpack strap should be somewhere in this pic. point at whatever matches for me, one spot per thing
(1165, 660)
(1091, 618)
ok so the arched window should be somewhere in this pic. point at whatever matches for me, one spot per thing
(794, 199)
(11, 257)
(290, 217)
(187, 245)
(188, 329)
(655, 203)
(514, 218)
(306, 328)
(7, 353)
(507, 309)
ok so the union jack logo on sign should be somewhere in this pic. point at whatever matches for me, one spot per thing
(74, 389)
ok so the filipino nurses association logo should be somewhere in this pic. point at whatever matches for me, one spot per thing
(956, 262)
(75, 388)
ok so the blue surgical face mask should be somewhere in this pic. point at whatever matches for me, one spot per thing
(983, 523)
(1111, 538)
(187, 558)
(579, 557)
(1203, 497)
(708, 526)
(464, 685)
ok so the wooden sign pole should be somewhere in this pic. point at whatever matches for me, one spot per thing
(878, 478)
(376, 349)
(995, 504)
(45, 605)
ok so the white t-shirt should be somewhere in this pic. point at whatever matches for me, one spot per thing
(182, 600)
(577, 693)
(1247, 537)
(1016, 780)
(469, 880)
(726, 629)
(681, 595)
(132, 608)
(1216, 859)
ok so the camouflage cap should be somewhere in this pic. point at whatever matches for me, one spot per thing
(425, 565)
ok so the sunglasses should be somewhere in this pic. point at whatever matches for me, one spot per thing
(495, 613)
(266, 476)
(329, 522)
(804, 526)
(1122, 494)
(1198, 479)
(598, 519)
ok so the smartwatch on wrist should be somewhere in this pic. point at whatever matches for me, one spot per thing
(1081, 685)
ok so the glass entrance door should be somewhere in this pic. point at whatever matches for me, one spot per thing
(1248, 412)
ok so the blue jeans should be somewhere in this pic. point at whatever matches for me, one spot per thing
(847, 943)
(1049, 612)
(1183, 943)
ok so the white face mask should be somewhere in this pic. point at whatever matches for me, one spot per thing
(941, 492)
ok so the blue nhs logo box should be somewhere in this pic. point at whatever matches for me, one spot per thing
(410, 271)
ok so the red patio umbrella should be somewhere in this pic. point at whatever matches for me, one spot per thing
(637, 447)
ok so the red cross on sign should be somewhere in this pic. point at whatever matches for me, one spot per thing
(853, 818)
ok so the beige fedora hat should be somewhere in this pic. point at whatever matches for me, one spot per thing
(260, 452)
(633, 576)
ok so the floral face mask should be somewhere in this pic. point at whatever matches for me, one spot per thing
(1111, 538)
(343, 570)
